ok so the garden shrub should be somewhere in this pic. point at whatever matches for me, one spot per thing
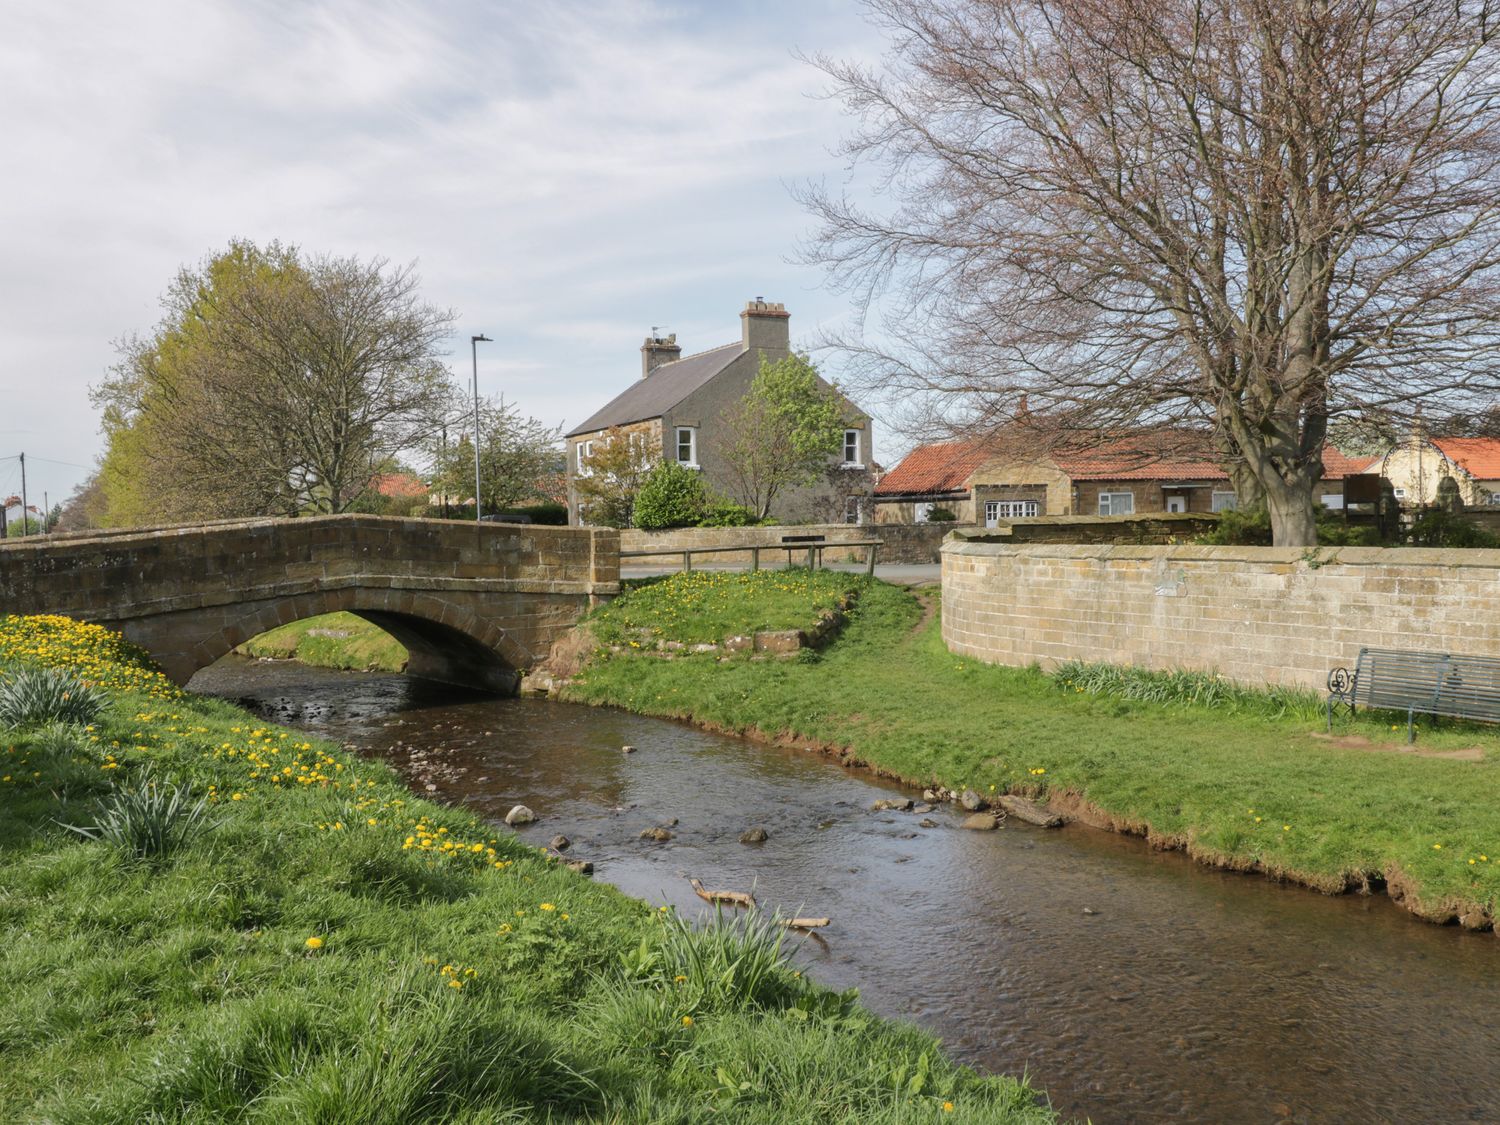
(672, 496)
(1438, 527)
(941, 515)
(726, 513)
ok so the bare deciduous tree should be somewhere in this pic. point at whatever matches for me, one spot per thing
(1259, 216)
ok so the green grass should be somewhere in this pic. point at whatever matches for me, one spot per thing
(1236, 777)
(329, 948)
(705, 606)
(332, 640)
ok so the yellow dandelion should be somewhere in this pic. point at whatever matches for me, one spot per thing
(314, 943)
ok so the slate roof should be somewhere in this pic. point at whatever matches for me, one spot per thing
(940, 467)
(1479, 457)
(663, 389)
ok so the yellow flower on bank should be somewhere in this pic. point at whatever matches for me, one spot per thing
(548, 906)
(687, 1021)
(947, 1107)
(314, 943)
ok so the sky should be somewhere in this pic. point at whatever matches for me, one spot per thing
(565, 175)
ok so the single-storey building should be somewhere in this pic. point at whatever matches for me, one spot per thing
(995, 481)
(1418, 466)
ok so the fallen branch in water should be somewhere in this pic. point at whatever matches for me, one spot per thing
(805, 923)
(733, 898)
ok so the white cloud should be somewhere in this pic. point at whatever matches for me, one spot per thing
(567, 174)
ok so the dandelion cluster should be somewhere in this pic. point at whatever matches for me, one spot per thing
(94, 654)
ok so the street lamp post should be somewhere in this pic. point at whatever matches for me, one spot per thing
(474, 354)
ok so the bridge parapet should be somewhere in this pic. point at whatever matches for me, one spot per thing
(474, 603)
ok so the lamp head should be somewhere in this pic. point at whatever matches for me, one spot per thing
(481, 338)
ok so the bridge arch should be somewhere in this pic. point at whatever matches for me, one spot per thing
(444, 641)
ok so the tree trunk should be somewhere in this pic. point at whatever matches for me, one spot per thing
(1291, 509)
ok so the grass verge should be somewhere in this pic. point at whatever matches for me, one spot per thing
(1239, 779)
(705, 606)
(331, 640)
(319, 945)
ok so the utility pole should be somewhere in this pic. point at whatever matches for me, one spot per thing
(474, 352)
(23, 494)
(46, 511)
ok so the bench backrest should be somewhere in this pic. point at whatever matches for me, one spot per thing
(804, 538)
(1444, 683)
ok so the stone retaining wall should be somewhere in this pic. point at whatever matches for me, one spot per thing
(1255, 614)
(900, 543)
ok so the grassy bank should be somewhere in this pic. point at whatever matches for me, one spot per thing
(333, 640)
(303, 940)
(1237, 778)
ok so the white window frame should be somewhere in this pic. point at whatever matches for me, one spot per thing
(1399, 493)
(921, 510)
(856, 439)
(585, 451)
(997, 510)
(1109, 502)
(1223, 501)
(1492, 498)
(853, 506)
(692, 432)
(1333, 501)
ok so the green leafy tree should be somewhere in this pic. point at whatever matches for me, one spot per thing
(612, 478)
(518, 457)
(276, 383)
(671, 496)
(782, 433)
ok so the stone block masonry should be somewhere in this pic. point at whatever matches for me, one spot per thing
(1259, 615)
(900, 543)
(474, 604)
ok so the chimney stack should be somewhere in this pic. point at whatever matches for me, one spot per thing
(764, 327)
(658, 350)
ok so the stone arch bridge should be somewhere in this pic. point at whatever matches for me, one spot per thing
(475, 604)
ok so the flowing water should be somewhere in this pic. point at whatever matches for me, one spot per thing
(1186, 995)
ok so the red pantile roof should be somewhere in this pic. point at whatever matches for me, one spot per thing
(1152, 455)
(1479, 457)
(940, 467)
(1337, 464)
(398, 486)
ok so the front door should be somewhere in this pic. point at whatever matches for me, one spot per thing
(1176, 503)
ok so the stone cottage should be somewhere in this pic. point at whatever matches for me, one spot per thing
(679, 404)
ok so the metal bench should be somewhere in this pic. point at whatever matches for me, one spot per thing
(1440, 684)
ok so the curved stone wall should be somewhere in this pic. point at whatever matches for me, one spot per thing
(1254, 614)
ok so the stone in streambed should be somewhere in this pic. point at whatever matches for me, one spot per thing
(582, 866)
(520, 815)
(980, 822)
(925, 822)
(924, 808)
(972, 801)
(899, 804)
(1030, 812)
(561, 843)
(627, 749)
(754, 836)
(660, 835)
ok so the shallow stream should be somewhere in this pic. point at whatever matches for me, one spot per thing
(1186, 995)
